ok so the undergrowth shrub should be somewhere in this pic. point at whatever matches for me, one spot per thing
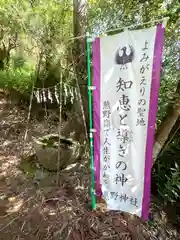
(167, 173)
(19, 80)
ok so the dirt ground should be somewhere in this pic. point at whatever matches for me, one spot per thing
(34, 207)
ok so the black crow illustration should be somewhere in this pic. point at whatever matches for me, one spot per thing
(124, 59)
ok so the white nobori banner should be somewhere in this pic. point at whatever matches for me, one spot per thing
(126, 73)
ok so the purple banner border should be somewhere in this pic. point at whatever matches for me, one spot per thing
(159, 41)
(96, 60)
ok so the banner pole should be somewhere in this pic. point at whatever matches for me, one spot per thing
(93, 197)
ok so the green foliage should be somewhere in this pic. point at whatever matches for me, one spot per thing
(19, 80)
(18, 62)
(168, 175)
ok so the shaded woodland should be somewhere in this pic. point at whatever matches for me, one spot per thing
(43, 92)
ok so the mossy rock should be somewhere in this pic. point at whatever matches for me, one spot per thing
(49, 147)
(28, 165)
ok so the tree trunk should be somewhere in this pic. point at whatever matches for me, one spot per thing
(79, 56)
(167, 124)
(1, 65)
(79, 25)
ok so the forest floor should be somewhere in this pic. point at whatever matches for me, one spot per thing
(34, 207)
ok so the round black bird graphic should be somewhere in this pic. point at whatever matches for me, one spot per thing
(124, 56)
